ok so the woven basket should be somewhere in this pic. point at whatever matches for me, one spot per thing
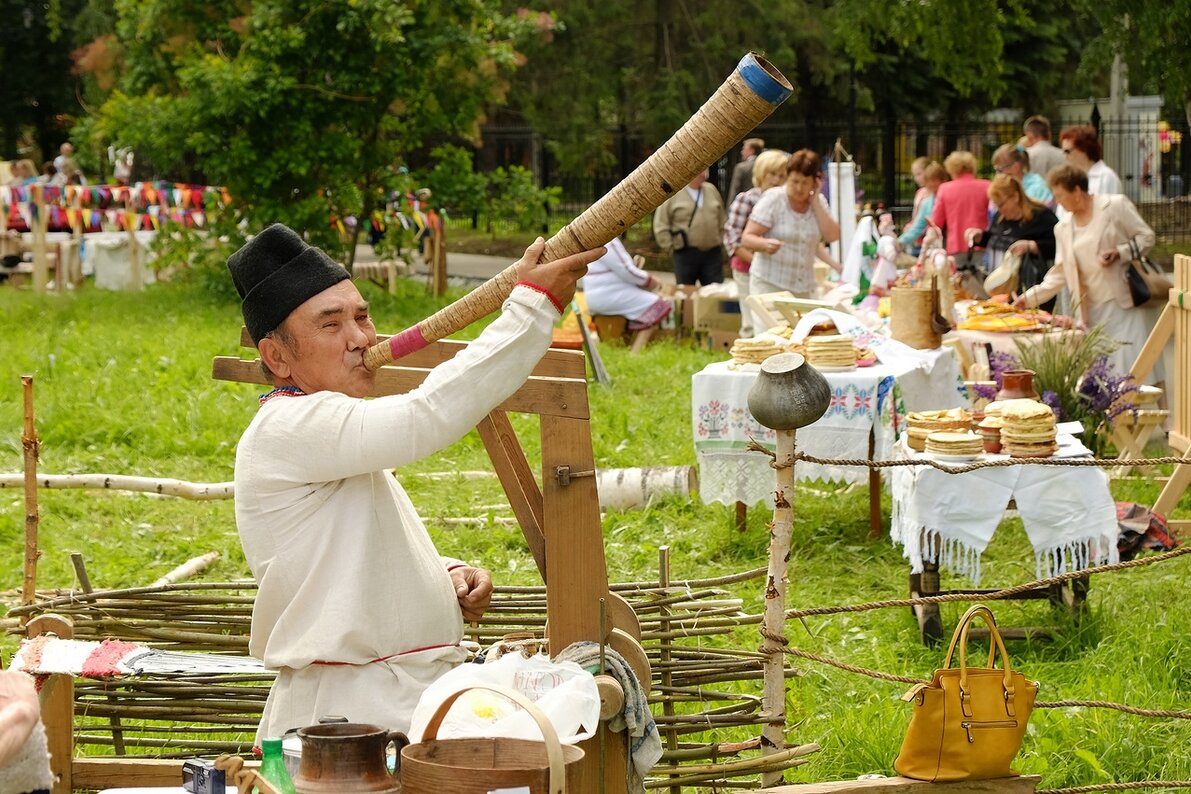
(477, 766)
(909, 318)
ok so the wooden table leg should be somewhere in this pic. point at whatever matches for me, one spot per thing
(741, 516)
(930, 622)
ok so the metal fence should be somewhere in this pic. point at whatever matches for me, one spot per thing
(1150, 158)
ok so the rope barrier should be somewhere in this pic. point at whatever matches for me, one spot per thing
(755, 446)
(1119, 786)
(995, 595)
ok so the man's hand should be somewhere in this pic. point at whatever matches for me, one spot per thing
(558, 277)
(19, 712)
(473, 588)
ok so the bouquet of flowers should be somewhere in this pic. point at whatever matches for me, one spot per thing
(1073, 375)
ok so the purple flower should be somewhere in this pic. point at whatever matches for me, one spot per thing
(1052, 399)
(999, 362)
(984, 391)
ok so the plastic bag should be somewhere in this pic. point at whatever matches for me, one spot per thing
(563, 690)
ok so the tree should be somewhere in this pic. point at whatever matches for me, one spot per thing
(303, 109)
(1152, 38)
(37, 91)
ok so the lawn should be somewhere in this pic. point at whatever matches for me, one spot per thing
(123, 386)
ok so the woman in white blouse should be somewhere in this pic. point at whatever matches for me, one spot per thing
(1081, 145)
(785, 230)
(1092, 250)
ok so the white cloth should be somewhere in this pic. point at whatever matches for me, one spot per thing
(793, 266)
(29, 769)
(862, 403)
(1102, 179)
(614, 285)
(346, 570)
(856, 262)
(1068, 513)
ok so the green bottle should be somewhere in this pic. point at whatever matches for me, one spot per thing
(273, 767)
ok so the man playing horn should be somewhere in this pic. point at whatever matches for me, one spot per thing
(356, 610)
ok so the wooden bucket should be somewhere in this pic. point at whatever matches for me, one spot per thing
(909, 318)
(477, 766)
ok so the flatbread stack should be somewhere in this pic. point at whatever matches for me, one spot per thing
(1028, 429)
(950, 444)
(834, 351)
(921, 424)
(755, 350)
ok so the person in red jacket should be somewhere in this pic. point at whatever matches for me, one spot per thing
(962, 203)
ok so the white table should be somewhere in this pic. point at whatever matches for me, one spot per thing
(947, 520)
(861, 422)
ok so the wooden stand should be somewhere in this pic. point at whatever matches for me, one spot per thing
(1175, 321)
(560, 518)
(1070, 595)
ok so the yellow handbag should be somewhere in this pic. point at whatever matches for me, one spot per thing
(968, 722)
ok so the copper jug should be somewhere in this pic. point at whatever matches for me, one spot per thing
(348, 758)
(1017, 384)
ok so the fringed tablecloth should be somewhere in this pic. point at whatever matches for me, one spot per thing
(1068, 512)
(863, 401)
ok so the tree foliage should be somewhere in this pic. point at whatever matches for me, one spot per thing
(1152, 39)
(302, 108)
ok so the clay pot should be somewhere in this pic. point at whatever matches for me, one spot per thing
(1017, 384)
(788, 393)
(347, 758)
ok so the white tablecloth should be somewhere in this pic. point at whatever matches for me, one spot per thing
(862, 401)
(1068, 512)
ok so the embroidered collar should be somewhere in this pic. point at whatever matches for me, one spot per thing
(282, 391)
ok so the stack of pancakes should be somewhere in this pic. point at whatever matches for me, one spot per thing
(835, 350)
(965, 444)
(921, 424)
(1028, 429)
(754, 351)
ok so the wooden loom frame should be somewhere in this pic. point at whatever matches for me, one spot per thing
(1175, 321)
(560, 520)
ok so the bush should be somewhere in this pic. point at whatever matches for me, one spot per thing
(516, 198)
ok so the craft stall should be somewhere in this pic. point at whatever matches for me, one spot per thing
(55, 235)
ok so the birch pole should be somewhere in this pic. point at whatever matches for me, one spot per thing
(773, 698)
(788, 394)
(30, 443)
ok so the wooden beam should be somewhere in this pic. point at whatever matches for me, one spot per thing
(517, 478)
(105, 773)
(555, 363)
(1026, 784)
(57, 705)
(547, 396)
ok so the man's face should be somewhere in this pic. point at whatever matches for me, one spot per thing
(330, 332)
(698, 181)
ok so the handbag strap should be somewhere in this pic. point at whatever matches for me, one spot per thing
(996, 644)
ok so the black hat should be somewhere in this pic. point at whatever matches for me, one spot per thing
(275, 273)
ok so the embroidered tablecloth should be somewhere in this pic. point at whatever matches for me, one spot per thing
(863, 401)
(1068, 512)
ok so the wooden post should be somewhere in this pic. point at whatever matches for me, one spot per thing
(134, 252)
(667, 675)
(438, 262)
(30, 443)
(773, 698)
(38, 228)
(57, 705)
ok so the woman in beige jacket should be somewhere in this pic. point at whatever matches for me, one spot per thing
(1092, 251)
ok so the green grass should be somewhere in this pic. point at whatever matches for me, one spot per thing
(122, 385)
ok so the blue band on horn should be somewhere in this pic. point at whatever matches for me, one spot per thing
(761, 82)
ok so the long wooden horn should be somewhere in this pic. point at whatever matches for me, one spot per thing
(743, 101)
